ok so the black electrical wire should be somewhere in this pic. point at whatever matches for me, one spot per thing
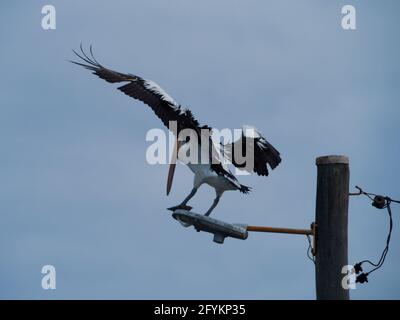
(309, 254)
(384, 253)
(379, 202)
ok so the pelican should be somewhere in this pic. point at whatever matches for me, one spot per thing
(214, 171)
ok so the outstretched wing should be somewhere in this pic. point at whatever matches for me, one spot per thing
(254, 148)
(146, 91)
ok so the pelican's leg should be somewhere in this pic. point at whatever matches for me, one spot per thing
(216, 200)
(190, 196)
(184, 205)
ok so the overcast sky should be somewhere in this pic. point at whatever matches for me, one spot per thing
(76, 191)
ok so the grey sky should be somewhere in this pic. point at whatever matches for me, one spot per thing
(77, 192)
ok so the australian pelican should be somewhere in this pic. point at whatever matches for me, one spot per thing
(214, 171)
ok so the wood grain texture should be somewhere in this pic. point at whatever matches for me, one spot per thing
(331, 218)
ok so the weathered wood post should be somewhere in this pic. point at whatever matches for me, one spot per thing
(331, 217)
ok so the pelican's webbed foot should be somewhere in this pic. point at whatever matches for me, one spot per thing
(181, 206)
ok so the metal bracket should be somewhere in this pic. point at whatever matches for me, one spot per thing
(308, 232)
(314, 229)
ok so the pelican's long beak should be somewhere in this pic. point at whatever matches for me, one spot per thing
(172, 166)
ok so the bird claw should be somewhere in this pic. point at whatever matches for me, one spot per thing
(182, 207)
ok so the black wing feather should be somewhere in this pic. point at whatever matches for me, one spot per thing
(143, 90)
(264, 153)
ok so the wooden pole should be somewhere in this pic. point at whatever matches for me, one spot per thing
(331, 217)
